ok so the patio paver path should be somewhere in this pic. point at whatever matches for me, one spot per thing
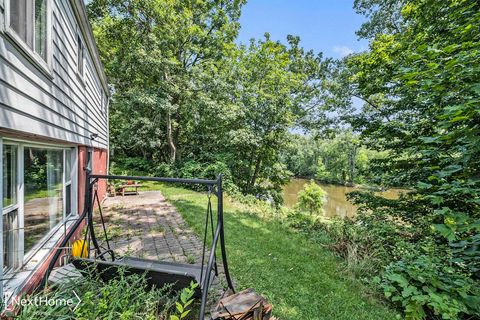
(147, 226)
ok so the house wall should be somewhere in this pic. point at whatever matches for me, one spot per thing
(100, 163)
(100, 167)
(60, 104)
(57, 104)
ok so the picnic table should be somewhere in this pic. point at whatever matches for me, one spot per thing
(128, 189)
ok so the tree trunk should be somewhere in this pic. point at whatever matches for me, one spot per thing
(249, 175)
(170, 140)
(171, 144)
(351, 163)
(255, 172)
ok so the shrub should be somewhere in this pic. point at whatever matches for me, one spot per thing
(135, 164)
(126, 297)
(426, 283)
(311, 198)
(164, 170)
(183, 307)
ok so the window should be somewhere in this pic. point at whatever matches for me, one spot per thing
(38, 194)
(28, 20)
(89, 161)
(43, 170)
(68, 182)
(104, 102)
(40, 33)
(10, 231)
(80, 55)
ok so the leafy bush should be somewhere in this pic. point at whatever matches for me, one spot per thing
(135, 163)
(183, 307)
(211, 171)
(425, 283)
(126, 297)
(164, 170)
(311, 198)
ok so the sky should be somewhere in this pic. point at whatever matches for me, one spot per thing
(323, 25)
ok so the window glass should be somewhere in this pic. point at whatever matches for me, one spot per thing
(41, 28)
(9, 213)
(89, 160)
(80, 54)
(28, 18)
(10, 240)
(43, 170)
(9, 175)
(68, 165)
(18, 17)
(68, 199)
(68, 182)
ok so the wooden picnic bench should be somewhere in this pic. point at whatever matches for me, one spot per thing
(128, 189)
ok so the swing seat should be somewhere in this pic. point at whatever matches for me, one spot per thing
(158, 273)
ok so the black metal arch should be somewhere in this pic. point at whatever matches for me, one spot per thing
(218, 233)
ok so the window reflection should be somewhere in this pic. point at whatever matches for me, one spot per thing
(10, 213)
(43, 172)
(9, 175)
(10, 240)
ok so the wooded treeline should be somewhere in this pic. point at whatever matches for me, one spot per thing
(187, 97)
(187, 100)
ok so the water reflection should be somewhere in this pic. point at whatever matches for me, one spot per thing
(337, 203)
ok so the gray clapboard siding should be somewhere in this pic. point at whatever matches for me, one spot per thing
(62, 105)
(58, 102)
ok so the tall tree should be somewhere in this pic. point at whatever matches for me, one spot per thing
(420, 84)
(274, 83)
(156, 53)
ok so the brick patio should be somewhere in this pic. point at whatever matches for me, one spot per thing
(147, 226)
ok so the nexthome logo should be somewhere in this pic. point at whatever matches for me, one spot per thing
(40, 301)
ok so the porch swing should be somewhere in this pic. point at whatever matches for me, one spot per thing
(158, 273)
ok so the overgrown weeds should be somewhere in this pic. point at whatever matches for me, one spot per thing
(126, 297)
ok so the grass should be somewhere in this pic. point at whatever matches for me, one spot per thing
(302, 279)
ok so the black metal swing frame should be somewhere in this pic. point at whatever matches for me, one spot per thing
(207, 272)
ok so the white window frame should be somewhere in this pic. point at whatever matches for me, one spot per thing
(17, 206)
(43, 65)
(69, 180)
(25, 257)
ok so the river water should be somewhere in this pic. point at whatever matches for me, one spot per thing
(337, 203)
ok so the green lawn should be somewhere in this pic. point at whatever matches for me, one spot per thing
(301, 279)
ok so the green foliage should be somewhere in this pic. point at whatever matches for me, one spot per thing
(427, 283)
(312, 198)
(185, 94)
(419, 85)
(358, 244)
(162, 58)
(285, 266)
(164, 170)
(340, 159)
(190, 101)
(182, 307)
(126, 297)
(135, 164)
